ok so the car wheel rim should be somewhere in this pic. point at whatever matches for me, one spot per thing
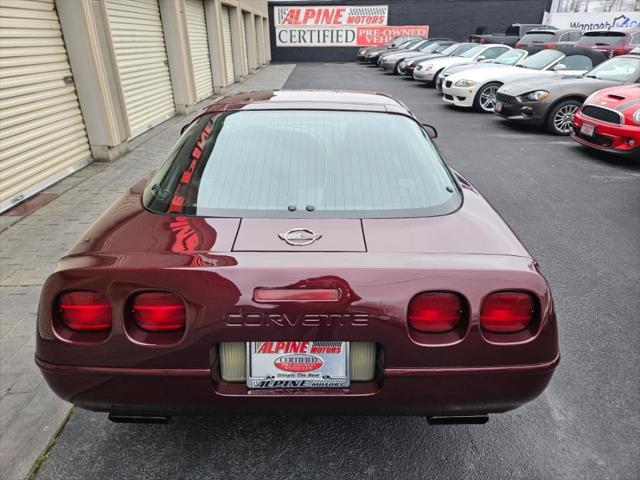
(563, 120)
(488, 98)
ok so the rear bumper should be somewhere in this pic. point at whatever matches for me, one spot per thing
(400, 391)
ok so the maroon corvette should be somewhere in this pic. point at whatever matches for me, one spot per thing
(299, 251)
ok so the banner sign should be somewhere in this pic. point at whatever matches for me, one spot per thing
(595, 20)
(337, 26)
(333, 16)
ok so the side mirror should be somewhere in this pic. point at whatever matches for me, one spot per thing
(560, 67)
(431, 130)
(481, 58)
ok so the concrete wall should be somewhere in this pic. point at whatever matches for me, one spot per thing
(446, 18)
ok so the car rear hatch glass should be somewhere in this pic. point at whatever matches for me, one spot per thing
(304, 164)
(603, 39)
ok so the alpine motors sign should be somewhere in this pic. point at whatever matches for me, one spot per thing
(337, 26)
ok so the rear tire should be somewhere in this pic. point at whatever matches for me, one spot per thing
(485, 98)
(395, 69)
(560, 118)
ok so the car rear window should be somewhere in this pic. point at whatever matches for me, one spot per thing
(304, 164)
(602, 39)
(540, 37)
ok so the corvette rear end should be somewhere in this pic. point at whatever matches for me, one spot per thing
(345, 286)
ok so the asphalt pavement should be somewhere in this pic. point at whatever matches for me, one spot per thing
(577, 212)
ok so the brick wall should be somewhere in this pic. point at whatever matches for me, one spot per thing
(446, 18)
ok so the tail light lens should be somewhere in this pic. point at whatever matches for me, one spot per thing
(159, 311)
(507, 312)
(517, 45)
(435, 312)
(85, 311)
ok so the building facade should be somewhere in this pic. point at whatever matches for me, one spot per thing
(80, 78)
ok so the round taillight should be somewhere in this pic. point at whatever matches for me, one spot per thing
(507, 312)
(435, 312)
(159, 311)
(85, 311)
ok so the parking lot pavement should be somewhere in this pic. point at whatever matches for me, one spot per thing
(578, 213)
(30, 414)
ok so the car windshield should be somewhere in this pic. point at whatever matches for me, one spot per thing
(462, 48)
(472, 52)
(538, 37)
(618, 69)
(431, 47)
(406, 44)
(510, 57)
(541, 60)
(303, 164)
(604, 39)
(418, 44)
(450, 49)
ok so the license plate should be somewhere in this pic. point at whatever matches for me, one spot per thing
(498, 106)
(588, 129)
(298, 365)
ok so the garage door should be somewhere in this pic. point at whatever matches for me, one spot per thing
(228, 50)
(199, 45)
(141, 59)
(42, 135)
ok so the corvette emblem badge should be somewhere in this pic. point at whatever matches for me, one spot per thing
(300, 237)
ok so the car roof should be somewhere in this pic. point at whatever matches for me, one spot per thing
(613, 30)
(595, 55)
(560, 31)
(309, 100)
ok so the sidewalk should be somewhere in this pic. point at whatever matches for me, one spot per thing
(30, 415)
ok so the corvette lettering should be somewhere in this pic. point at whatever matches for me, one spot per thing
(259, 319)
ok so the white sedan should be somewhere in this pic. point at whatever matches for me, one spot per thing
(477, 87)
(429, 70)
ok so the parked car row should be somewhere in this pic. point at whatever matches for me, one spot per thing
(591, 94)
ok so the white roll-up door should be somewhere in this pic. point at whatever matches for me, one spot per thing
(199, 46)
(141, 59)
(42, 134)
(228, 49)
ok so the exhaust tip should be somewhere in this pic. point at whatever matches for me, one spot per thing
(459, 420)
(150, 419)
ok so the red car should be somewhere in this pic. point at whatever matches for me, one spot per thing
(609, 120)
(299, 251)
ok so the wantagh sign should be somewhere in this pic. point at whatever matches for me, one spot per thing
(337, 26)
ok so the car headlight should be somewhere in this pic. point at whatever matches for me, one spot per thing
(465, 83)
(536, 96)
(427, 67)
(636, 116)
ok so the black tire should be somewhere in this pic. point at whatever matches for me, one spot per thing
(395, 68)
(560, 117)
(484, 96)
(435, 78)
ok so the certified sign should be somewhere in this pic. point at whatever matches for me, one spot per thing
(301, 364)
(337, 26)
